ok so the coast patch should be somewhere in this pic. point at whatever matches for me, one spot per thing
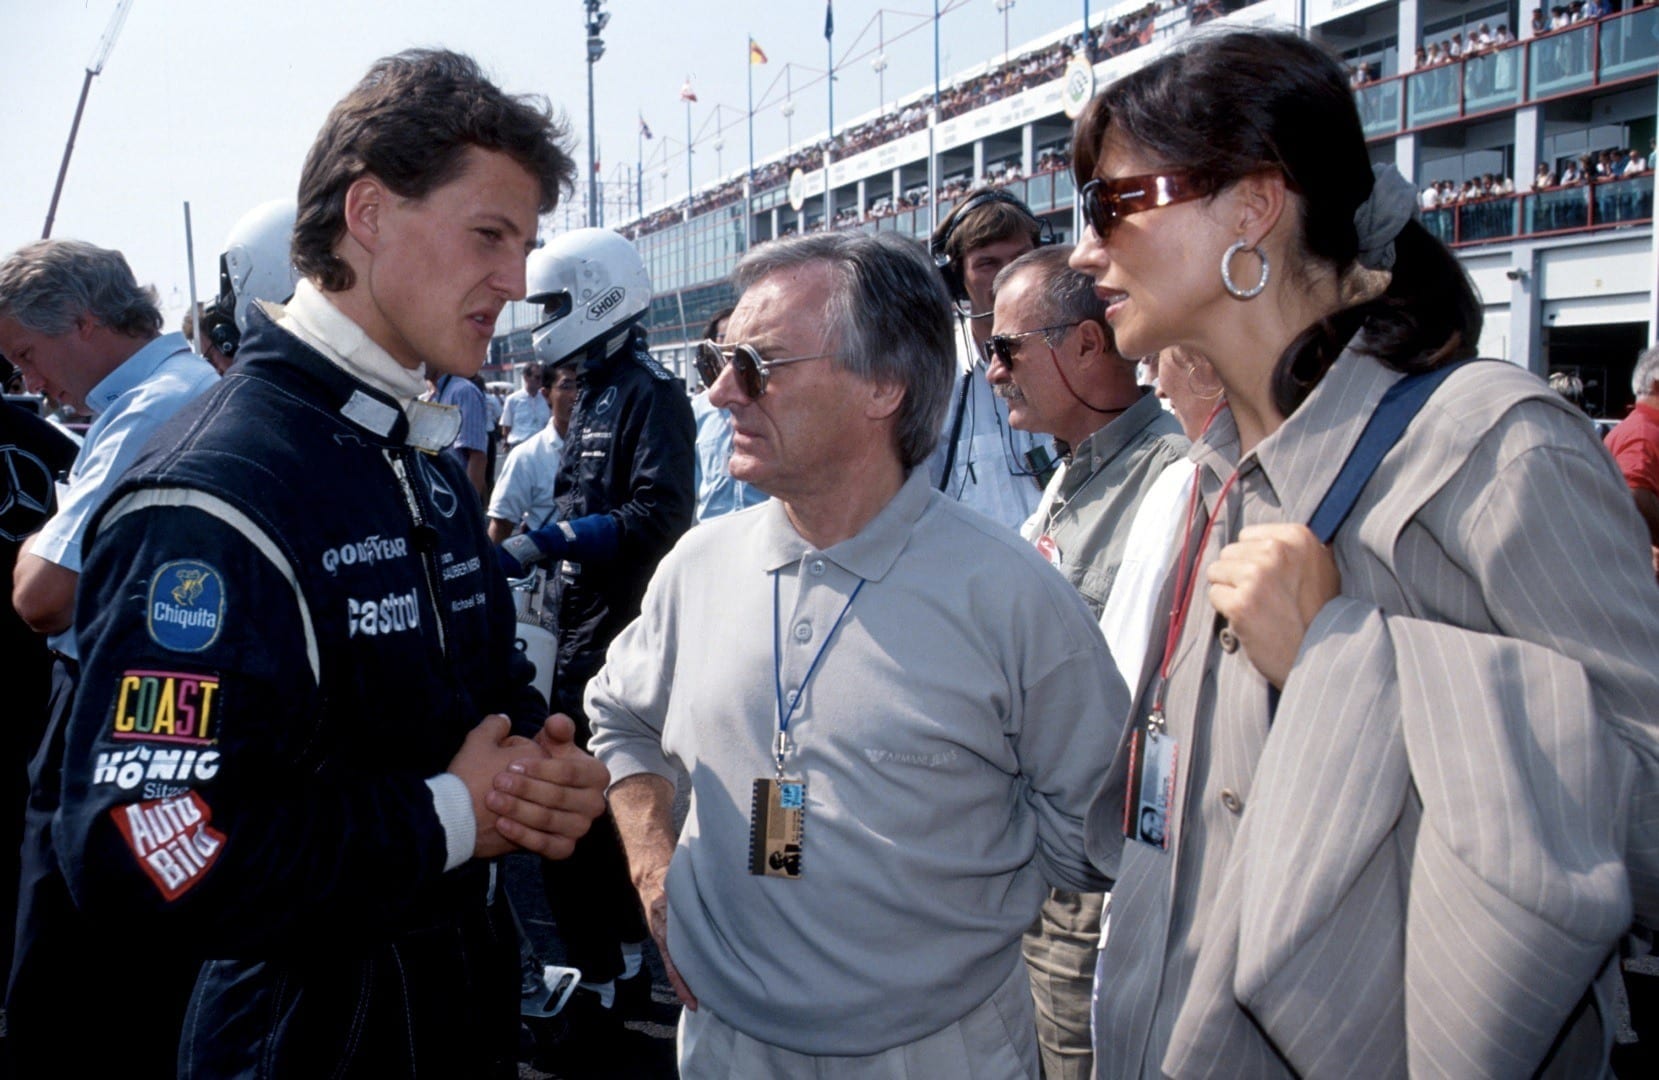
(186, 606)
(166, 706)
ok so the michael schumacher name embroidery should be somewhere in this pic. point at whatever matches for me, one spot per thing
(173, 839)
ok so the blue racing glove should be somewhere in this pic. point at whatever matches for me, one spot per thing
(585, 539)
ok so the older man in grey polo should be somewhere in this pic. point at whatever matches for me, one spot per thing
(891, 712)
(1053, 359)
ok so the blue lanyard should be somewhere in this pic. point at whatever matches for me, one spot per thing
(781, 746)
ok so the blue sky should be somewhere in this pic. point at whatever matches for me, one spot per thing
(217, 101)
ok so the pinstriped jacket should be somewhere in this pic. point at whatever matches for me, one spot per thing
(1424, 862)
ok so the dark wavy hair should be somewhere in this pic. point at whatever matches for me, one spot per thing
(1231, 104)
(409, 123)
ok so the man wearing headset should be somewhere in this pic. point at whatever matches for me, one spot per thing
(981, 461)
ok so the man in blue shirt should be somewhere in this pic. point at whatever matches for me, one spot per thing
(472, 440)
(76, 323)
(718, 492)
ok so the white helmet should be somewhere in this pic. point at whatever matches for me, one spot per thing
(588, 283)
(258, 263)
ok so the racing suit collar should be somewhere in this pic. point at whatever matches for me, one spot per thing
(312, 318)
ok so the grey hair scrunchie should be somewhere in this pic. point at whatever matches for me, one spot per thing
(1379, 219)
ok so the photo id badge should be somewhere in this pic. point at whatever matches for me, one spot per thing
(1152, 758)
(775, 827)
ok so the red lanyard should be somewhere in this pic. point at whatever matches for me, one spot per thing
(1186, 580)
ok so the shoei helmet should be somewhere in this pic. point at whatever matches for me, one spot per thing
(257, 264)
(588, 283)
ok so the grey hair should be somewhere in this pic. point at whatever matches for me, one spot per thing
(1646, 373)
(1067, 295)
(49, 285)
(892, 318)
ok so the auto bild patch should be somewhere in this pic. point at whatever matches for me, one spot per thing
(173, 840)
(186, 607)
(166, 706)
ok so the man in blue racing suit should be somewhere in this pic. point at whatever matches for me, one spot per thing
(303, 731)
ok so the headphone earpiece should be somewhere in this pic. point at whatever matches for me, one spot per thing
(220, 329)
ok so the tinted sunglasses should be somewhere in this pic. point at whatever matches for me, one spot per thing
(1106, 201)
(1004, 346)
(749, 366)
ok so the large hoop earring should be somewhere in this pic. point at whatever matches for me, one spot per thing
(1227, 270)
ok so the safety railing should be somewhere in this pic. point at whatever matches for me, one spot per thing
(1600, 204)
(1611, 49)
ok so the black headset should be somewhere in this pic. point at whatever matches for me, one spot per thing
(219, 327)
(1042, 235)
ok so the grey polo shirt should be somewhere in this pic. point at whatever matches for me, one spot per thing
(951, 737)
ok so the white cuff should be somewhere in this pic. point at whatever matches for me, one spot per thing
(453, 805)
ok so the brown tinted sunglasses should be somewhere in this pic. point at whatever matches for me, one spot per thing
(1106, 201)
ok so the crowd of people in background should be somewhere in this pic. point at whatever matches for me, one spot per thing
(1012, 76)
(1449, 193)
(1614, 163)
(1485, 209)
(1482, 39)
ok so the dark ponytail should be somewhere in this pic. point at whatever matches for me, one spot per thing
(1230, 104)
(1428, 316)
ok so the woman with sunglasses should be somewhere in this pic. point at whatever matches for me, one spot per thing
(1382, 805)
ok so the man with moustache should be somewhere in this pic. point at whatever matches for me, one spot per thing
(1053, 359)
